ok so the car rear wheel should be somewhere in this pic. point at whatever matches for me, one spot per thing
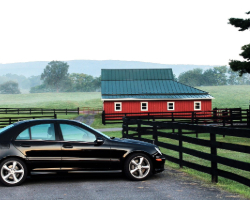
(138, 167)
(13, 172)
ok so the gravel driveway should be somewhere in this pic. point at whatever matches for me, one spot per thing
(169, 185)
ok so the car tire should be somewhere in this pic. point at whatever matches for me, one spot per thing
(138, 167)
(13, 172)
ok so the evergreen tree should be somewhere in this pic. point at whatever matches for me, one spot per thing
(236, 65)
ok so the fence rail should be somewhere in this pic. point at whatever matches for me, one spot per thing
(155, 129)
(223, 117)
(88, 110)
(5, 121)
(37, 111)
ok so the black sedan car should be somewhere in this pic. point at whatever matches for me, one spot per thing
(64, 145)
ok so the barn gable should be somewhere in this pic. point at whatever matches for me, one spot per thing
(150, 84)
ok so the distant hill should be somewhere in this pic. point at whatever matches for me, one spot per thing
(91, 67)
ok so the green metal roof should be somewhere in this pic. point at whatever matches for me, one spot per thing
(155, 97)
(146, 84)
(147, 87)
(136, 74)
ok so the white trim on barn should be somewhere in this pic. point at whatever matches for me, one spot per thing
(195, 104)
(142, 106)
(117, 103)
(169, 106)
(133, 99)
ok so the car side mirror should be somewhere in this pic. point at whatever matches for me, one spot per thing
(99, 141)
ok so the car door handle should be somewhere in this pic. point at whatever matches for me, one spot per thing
(68, 146)
(25, 145)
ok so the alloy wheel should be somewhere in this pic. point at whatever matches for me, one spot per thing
(12, 172)
(139, 167)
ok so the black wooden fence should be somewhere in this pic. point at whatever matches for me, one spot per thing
(37, 111)
(156, 130)
(222, 117)
(5, 121)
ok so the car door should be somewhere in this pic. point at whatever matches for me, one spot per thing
(39, 143)
(80, 151)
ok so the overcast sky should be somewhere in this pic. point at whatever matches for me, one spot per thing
(159, 31)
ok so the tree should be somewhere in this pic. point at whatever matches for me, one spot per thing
(191, 77)
(55, 74)
(9, 87)
(236, 65)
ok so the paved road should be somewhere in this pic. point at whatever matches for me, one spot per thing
(169, 185)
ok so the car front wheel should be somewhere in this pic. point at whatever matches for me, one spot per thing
(138, 167)
(13, 172)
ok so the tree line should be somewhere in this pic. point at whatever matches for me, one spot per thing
(213, 77)
(56, 78)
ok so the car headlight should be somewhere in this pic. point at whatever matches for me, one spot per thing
(157, 149)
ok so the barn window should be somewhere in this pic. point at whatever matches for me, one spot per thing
(197, 105)
(144, 106)
(118, 106)
(170, 105)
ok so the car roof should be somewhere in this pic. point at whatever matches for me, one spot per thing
(44, 120)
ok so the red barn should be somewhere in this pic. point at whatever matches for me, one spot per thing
(149, 90)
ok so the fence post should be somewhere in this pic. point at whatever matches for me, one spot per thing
(180, 148)
(155, 136)
(248, 118)
(103, 118)
(214, 165)
(139, 128)
(126, 128)
(123, 125)
(231, 116)
(192, 117)
(78, 110)
(55, 116)
(215, 114)
(54, 111)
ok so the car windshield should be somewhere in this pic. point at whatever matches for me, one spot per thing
(5, 128)
(96, 131)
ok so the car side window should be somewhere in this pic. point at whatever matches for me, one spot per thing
(43, 132)
(38, 132)
(25, 135)
(75, 133)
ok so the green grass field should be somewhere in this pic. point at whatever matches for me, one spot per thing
(229, 96)
(51, 100)
(224, 183)
(225, 97)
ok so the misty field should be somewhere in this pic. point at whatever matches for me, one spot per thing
(51, 100)
(231, 96)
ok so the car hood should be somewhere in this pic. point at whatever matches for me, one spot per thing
(130, 141)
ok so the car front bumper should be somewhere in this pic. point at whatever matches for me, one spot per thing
(159, 162)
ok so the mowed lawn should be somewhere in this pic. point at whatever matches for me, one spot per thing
(224, 183)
